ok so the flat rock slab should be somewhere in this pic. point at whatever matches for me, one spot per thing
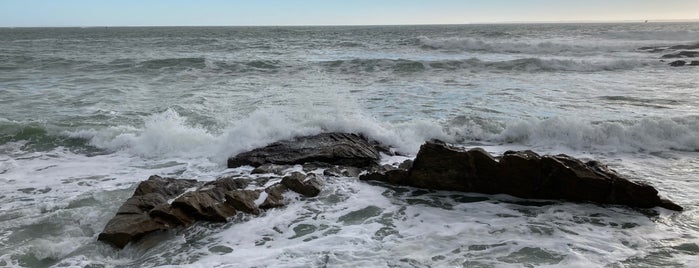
(522, 174)
(333, 148)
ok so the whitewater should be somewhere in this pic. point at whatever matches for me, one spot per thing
(87, 113)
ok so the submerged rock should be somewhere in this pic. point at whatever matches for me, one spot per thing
(332, 148)
(678, 63)
(523, 174)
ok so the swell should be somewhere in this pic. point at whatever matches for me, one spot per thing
(523, 65)
(40, 137)
(517, 47)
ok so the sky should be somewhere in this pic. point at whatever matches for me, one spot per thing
(32, 13)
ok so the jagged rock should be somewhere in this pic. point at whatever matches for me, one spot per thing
(523, 174)
(270, 168)
(244, 200)
(275, 196)
(332, 148)
(337, 171)
(694, 63)
(206, 204)
(173, 215)
(133, 221)
(678, 63)
(308, 185)
(229, 184)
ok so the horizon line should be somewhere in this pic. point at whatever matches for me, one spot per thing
(396, 24)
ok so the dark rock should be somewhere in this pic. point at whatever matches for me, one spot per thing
(694, 63)
(133, 221)
(228, 184)
(334, 171)
(523, 174)
(244, 200)
(167, 187)
(308, 185)
(275, 196)
(682, 54)
(173, 215)
(126, 228)
(271, 169)
(407, 164)
(678, 63)
(331, 148)
(206, 205)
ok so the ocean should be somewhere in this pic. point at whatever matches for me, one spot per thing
(87, 113)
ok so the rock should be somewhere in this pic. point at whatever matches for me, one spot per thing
(332, 148)
(694, 63)
(307, 185)
(275, 196)
(407, 164)
(130, 227)
(206, 205)
(271, 169)
(678, 63)
(682, 54)
(244, 200)
(523, 174)
(133, 220)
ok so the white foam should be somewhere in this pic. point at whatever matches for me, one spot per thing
(659, 134)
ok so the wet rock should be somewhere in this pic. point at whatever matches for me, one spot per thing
(206, 205)
(270, 169)
(130, 227)
(407, 164)
(275, 196)
(133, 221)
(307, 185)
(694, 63)
(678, 63)
(523, 174)
(244, 200)
(332, 148)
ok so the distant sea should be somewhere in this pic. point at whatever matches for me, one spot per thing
(87, 113)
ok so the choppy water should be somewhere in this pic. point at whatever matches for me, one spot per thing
(85, 114)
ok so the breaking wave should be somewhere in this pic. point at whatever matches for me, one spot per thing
(660, 134)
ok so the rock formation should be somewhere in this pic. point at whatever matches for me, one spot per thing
(165, 203)
(160, 204)
(332, 148)
(522, 174)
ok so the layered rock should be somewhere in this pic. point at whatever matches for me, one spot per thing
(160, 204)
(522, 174)
(332, 148)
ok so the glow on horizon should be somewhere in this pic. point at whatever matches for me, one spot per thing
(28, 13)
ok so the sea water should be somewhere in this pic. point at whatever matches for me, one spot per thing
(87, 113)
